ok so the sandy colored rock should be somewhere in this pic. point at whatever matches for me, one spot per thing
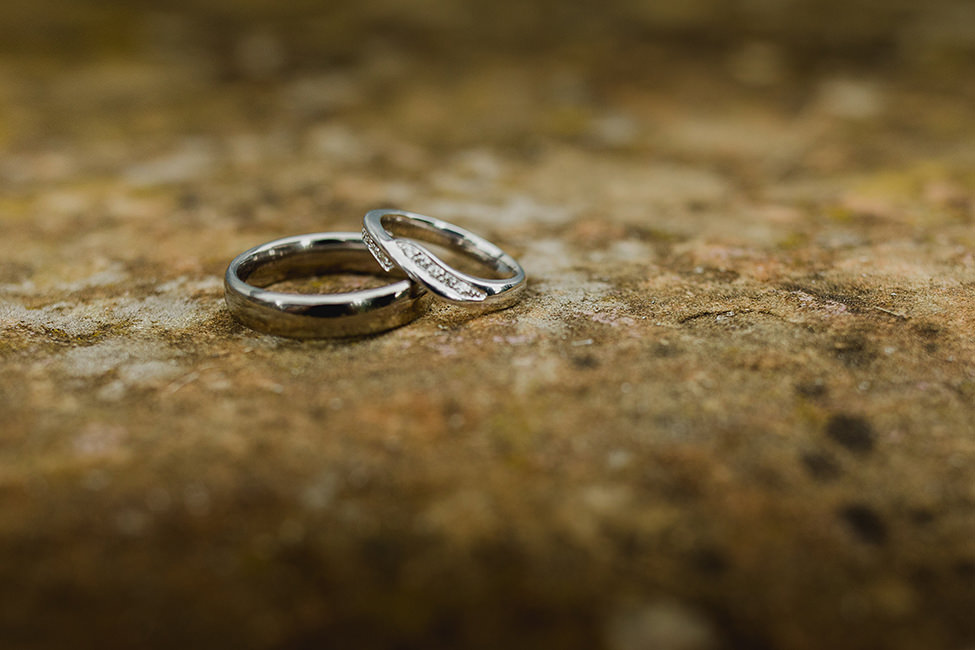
(735, 409)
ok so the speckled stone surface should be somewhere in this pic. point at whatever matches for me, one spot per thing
(736, 408)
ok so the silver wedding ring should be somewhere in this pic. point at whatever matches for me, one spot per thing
(393, 239)
(392, 235)
(355, 313)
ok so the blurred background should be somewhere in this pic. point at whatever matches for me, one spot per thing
(225, 38)
(753, 89)
(561, 61)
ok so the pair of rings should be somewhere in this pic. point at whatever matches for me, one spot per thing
(393, 239)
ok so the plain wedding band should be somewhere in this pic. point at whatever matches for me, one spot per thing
(355, 313)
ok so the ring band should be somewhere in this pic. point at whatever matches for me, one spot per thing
(356, 313)
(424, 267)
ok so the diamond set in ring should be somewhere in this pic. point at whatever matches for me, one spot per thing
(395, 236)
(377, 252)
(437, 274)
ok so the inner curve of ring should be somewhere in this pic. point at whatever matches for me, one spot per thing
(272, 266)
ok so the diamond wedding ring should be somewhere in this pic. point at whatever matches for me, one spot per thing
(392, 235)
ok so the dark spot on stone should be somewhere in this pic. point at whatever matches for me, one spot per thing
(927, 330)
(852, 432)
(664, 349)
(811, 389)
(923, 576)
(771, 478)
(853, 351)
(629, 544)
(863, 522)
(383, 554)
(965, 569)
(245, 214)
(715, 274)
(585, 361)
(270, 197)
(189, 200)
(11, 272)
(821, 466)
(498, 554)
(653, 235)
(710, 561)
(921, 516)
(320, 413)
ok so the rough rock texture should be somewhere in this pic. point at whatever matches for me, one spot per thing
(736, 408)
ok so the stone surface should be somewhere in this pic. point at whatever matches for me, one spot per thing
(735, 409)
